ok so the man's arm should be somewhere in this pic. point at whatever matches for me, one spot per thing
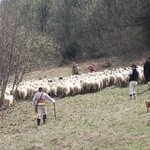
(130, 72)
(34, 100)
(47, 97)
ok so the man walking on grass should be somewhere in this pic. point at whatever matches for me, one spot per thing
(39, 103)
(146, 70)
(133, 78)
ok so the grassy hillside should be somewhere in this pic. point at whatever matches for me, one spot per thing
(99, 121)
(106, 120)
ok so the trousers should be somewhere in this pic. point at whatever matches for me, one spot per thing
(42, 110)
(132, 87)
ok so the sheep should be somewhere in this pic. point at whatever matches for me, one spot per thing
(141, 78)
(106, 80)
(30, 91)
(8, 100)
(71, 86)
(65, 90)
(46, 89)
(76, 89)
(112, 80)
(59, 90)
(84, 86)
(35, 89)
(126, 80)
(94, 85)
(53, 91)
(76, 84)
(120, 80)
(97, 85)
(22, 92)
(101, 83)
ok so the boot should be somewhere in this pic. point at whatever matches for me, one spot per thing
(38, 121)
(130, 96)
(44, 119)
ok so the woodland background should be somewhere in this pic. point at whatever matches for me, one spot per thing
(44, 33)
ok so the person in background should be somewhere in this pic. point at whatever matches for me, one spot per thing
(92, 68)
(75, 70)
(133, 78)
(39, 103)
(146, 70)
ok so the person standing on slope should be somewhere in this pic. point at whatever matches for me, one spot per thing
(133, 78)
(75, 70)
(92, 68)
(146, 70)
(39, 103)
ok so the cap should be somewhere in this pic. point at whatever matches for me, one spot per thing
(133, 65)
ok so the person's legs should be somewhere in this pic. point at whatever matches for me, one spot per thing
(44, 112)
(134, 89)
(131, 89)
(39, 115)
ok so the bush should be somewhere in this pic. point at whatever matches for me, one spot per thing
(96, 53)
(71, 51)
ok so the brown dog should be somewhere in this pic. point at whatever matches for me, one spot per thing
(147, 105)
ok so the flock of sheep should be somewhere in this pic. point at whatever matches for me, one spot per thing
(73, 84)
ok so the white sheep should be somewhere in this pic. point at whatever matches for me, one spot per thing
(84, 86)
(22, 93)
(112, 78)
(106, 80)
(46, 88)
(59, 90)
(8, 100)
(30, 91)
(120, 80)
(94, 85)
(53, 91)
(65, 90)
(76, 89)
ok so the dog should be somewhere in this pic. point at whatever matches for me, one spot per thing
(147, 105)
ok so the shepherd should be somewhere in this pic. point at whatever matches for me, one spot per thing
(75, 70)
(133, 79)
(146, 70)
(92, 68)
(39, 104)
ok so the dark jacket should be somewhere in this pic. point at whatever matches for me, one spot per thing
(147, 71)
(134, 75)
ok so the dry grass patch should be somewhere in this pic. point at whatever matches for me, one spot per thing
(102, 120)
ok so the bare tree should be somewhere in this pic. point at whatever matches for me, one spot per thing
(13, 47)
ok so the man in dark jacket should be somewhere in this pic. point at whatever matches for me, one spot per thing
(147, 71)
(133, 79)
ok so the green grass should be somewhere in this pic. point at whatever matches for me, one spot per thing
(106, 120)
